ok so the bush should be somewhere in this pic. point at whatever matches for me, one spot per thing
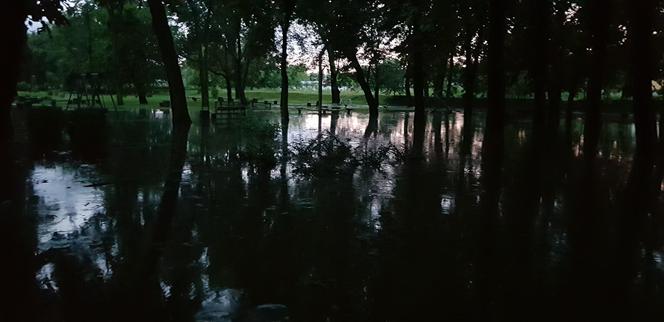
(328, 155)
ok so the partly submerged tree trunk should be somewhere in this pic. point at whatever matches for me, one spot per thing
(167, 48)
(285, 25)
(334, 73)
(364, 84)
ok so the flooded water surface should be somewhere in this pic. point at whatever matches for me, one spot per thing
(326, 218)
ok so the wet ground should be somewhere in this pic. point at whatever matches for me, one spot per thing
(330, 218)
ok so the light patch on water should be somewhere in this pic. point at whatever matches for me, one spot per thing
(245, 177)
(115, 249)
(658, 258)
(203, 261)
(186, 173)
(220, 305)
(158, 114)
(103, 266)
(165, 289)
(447, 204)
(376, 207)
(311, 122)
(45, 277)
(66, 201)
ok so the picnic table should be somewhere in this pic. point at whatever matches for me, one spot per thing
(228, 109)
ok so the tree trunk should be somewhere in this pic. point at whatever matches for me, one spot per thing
(202, 28)
(334, 73)
(406, 86)
(418, 87)
(570, 105)
(641, 191)
(114, 21)
(364, 84)
(642, 73)
(204, 77)
(496, 74)
(539, 59)
(142, 95)
(418, 74)
(167, 48)
(450, 74)
(439, 80)
(320, 79)
(470, 75)
(119, 97)
(376, 84)
(597, 11)
(14, 34)
(284, 57)
(229, 88)
(142, 99)
(239, 69)
(557, 76)
(492, 157)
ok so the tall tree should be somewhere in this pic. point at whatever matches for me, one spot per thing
(348, 33)
(641, 31)
(12, 23)
(597, 23)
(287, 9)
(496, 74)
(492, 154)
(473, 15)
(539, 35)
(176, 89)
(334, 75)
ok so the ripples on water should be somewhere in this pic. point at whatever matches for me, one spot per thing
(256, 241)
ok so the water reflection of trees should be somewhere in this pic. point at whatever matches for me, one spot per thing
(426, 238)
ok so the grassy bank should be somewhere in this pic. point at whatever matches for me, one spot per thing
(131, 102)
(356, 99)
